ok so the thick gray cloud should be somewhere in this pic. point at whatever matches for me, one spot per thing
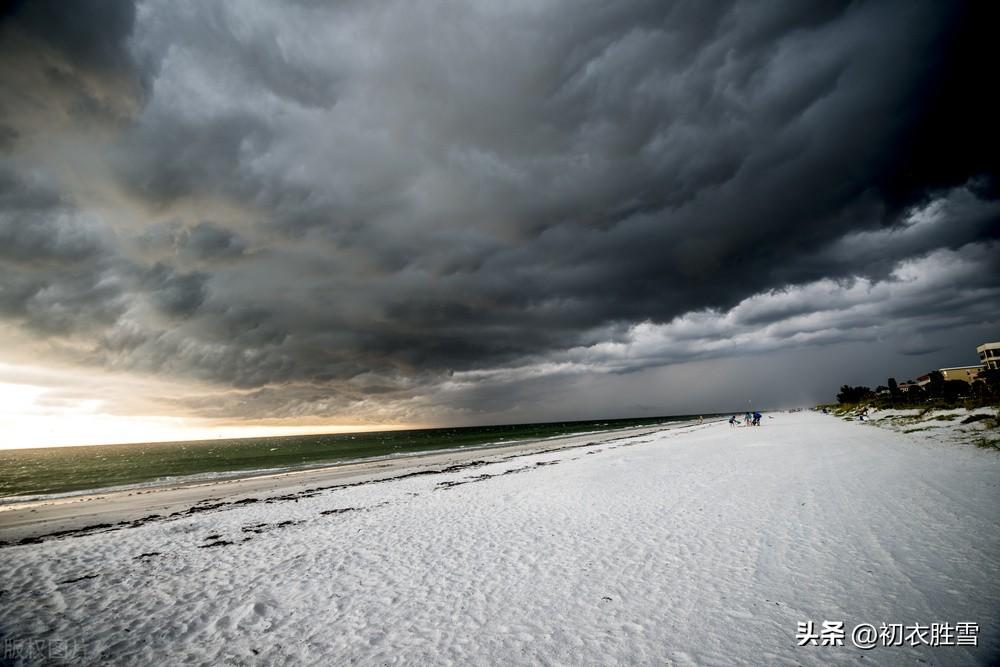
(341, 209)
(64, 66)
(58, 273)
(208, 240)
(204, 241)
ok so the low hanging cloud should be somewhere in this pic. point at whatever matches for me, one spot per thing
(361, 209)
(916, 294)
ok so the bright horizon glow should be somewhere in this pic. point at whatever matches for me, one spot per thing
(26, 424)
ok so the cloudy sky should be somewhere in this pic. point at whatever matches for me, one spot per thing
(247, 217)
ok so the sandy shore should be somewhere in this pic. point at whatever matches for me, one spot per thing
(88, 513)
(704, 545)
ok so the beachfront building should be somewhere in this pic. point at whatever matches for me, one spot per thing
(964, 373)
(989, 354)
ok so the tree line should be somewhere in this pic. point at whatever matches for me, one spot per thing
(984, 391)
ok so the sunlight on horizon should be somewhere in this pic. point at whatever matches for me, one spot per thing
(26, 424)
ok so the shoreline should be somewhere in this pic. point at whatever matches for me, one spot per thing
(90, 512)
(218, 476)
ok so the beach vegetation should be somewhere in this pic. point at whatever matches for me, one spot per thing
(937, 394)
(971, 419)
(849, 394)
(985, 442)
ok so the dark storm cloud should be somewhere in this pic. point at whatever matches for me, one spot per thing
(90, 36)
(58, 274)
(60, 62)
(203, 241)
(435, 188)
(37, 225)
(209, 240)
(177, 294)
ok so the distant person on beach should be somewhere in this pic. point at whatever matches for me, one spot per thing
(733, 421)
(756, 419)
(746, 419)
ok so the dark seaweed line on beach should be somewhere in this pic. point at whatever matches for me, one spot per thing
(215, 504)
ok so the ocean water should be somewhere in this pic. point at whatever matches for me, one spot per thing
(55, 470)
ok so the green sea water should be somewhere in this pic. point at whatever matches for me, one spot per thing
(54, 470)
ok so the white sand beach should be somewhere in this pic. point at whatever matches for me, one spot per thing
(704, 545)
